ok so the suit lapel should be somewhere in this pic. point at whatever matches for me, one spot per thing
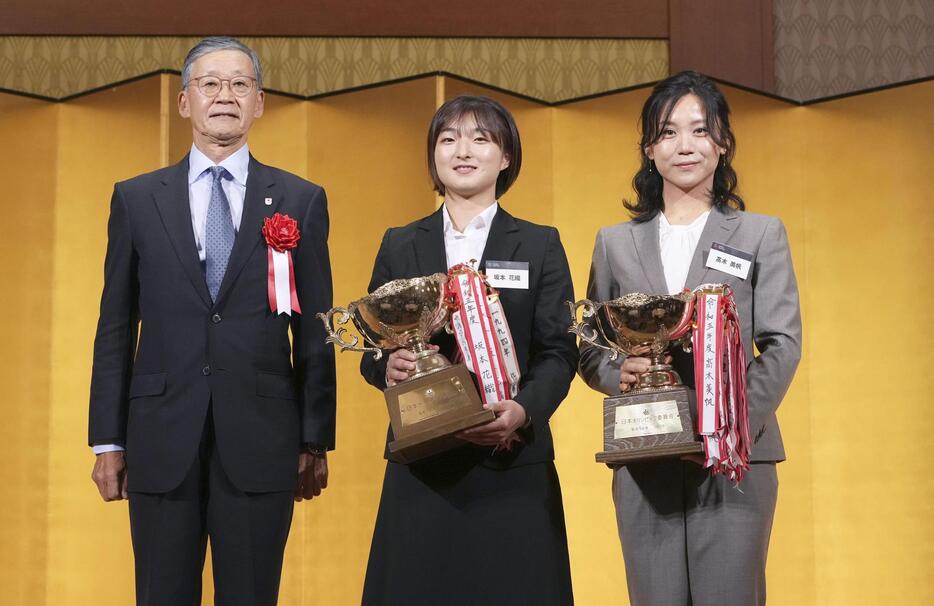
(503, 239)
(645, 241)
(175, 210)
(260, 184)
(719, 228)
(430, 257)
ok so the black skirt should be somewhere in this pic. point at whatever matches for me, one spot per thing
(452, 532)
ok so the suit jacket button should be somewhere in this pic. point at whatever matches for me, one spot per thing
(206, 370)
(216, 318)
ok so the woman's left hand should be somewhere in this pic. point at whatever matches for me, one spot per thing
(510, 416)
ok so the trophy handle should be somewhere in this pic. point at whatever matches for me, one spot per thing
(586, 331)
(337, 337)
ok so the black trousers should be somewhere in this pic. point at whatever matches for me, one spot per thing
(248, 532)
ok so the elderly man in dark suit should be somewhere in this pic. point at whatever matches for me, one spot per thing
(203, 414)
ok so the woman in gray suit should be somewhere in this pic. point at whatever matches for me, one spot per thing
(688, 536)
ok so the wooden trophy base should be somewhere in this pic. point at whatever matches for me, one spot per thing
(425, 411)
(648, 425)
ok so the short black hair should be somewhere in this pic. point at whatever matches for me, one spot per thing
(492, 118)
(655, 113)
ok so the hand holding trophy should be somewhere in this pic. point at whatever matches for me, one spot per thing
(653, 419)
(439, 398)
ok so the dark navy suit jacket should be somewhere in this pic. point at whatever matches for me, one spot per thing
(164, 354)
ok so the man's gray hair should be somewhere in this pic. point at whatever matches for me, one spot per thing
(219, 43)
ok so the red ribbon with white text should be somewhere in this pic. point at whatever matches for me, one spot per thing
(482, 334)
(720, 381)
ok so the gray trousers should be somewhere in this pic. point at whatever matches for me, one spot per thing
(690, 539)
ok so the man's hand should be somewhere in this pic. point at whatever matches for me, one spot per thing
(510, 416)
(110, 475)
(312, 475)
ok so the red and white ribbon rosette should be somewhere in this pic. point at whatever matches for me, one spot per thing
(282, 235)
(720, 381)
(482, 334)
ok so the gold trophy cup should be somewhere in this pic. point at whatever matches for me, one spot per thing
(653, 419)
(439, 398)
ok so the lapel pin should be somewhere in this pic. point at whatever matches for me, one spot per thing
(268, 201)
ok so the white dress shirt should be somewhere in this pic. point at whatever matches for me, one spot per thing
(461, 247)
(677, 244)
(200, 182)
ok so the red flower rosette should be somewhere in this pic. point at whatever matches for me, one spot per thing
(282, 235)
(281, 232)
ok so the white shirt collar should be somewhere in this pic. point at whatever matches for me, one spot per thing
(237, 164)
(697, 224)
(480, 222)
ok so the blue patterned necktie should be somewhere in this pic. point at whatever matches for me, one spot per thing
(218, 232)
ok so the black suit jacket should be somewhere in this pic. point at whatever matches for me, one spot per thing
(538, 317)
(164, 351)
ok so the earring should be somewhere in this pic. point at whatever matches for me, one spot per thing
(650, 165)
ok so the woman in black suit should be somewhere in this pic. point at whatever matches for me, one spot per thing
(479, 524)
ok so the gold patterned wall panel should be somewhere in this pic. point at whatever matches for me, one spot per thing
(546, 69)
(367, 150)
(101, 139)
(28, 129)
(831, 47)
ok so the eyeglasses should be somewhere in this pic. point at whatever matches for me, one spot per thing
(210, 86)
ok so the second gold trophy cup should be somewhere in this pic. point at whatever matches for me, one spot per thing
(653, 419)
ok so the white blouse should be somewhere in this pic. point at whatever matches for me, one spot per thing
(462, 247)
(677, 244)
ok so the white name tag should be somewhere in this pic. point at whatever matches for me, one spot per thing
(729, 260)
(647, 419)
(508, 274)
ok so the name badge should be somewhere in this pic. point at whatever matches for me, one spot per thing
(729, 260)
(508, 274)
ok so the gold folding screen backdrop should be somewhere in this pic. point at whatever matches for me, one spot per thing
(850, 178)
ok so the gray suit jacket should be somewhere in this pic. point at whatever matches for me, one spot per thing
(626, 259)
